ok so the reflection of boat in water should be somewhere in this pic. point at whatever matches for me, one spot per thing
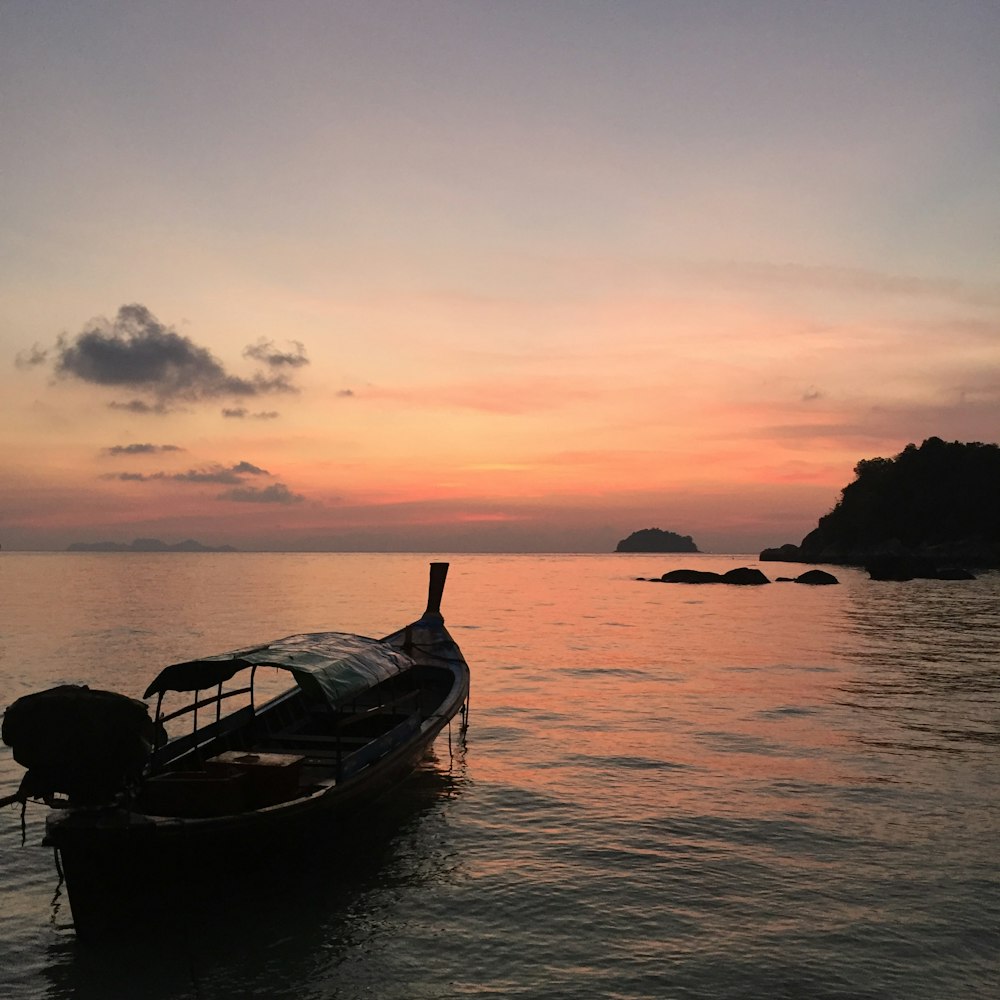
(130, 815)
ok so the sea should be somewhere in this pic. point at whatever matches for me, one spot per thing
(664, 791)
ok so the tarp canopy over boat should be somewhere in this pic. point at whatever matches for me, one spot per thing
(328, 666)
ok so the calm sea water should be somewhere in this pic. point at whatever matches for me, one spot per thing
(665, 792)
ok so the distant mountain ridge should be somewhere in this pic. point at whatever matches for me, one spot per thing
(147, 545)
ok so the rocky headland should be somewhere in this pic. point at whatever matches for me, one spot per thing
(929, 512)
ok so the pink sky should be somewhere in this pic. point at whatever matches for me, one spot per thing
(475, 276)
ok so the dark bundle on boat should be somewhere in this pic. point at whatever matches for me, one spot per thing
(87, 744)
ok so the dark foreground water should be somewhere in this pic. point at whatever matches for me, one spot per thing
(666, 791)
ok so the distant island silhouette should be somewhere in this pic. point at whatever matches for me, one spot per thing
(925, 509)
(656, 540)
(147, 545)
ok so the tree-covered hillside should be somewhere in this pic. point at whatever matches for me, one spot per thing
(941, 498)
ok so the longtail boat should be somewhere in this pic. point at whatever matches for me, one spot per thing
(131, 808)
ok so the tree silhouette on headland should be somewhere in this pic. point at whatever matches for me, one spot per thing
(941, 499)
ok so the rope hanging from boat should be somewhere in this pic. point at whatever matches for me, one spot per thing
(56, 903)
(22, 797)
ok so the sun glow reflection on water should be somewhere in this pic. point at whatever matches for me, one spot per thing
(666, 791)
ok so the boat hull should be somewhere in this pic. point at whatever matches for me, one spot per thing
(124, 872)
(124, 868)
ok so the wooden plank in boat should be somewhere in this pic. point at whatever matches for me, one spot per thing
(271, 777)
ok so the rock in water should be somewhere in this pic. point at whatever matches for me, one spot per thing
(816, 577)
(745, 576)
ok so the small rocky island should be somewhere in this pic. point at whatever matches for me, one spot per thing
(927, 512)
(147, 545)
(656, 540)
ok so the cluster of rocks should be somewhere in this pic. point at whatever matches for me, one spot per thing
(744, 576)
(908, 567)
(887, 562)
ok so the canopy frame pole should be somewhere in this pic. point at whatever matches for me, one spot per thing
(339, 745)
(194, 729)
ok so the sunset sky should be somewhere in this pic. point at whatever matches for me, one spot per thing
(504, 275)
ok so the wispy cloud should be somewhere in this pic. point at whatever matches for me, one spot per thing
(847, 279)
(248, 469)
(265, 352)
(275, 493)
(242, 413)
(138, 406)
(220, 474)
(31, 358)
(140, 449)
(510, 396)
(233, 474)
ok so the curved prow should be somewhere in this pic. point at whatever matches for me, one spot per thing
(439, 573)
